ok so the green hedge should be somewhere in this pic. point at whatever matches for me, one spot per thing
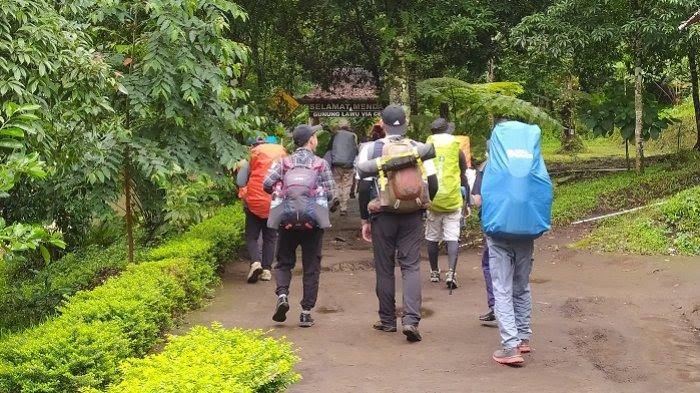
(96, 330)
(27, 300)
(212, 360)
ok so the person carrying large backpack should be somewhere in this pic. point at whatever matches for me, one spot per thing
(445, 211)
(302, 185)
(343, 149)
(257, 207)
(516, 209)
(392, 221)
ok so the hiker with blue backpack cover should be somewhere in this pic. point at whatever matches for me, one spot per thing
(302, 187)
(516, 194)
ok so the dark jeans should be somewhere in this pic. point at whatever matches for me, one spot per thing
(398, 237)
(255, 227)
(311, 243)
(487, 276)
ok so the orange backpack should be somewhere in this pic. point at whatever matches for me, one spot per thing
(261, 159)
(465, 147)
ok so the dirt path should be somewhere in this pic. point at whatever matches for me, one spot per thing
(602, 323)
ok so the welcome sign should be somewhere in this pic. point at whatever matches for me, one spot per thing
(345, 109)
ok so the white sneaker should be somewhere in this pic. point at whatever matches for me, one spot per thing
(255, 272)
(266, 275)
(451, 280)
(435, 275)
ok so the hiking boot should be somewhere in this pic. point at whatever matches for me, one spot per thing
(508, 356)
(411, 332)
(451, 280)
(254, 272)
(524, 346)
(305, 320)
(435, 276)
(379, 325)
(266, 275)
(281, 309)
(488, 317)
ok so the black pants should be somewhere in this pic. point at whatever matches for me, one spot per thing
(255, 227)
(311, 243)
(398, 238)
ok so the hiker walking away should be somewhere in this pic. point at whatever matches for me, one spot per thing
(303, 186)
(343, 153)
(445, 212)
(489, 316)
(516, 209)
(257, 207)
(391, 207)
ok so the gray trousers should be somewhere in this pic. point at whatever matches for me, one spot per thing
(510, 263)
(255, 229)
(398, 238)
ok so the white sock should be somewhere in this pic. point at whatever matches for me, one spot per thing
(306, 312)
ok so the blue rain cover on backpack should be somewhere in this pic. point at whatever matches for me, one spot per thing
(516, 189)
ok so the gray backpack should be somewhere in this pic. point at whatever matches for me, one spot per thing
(344, 149)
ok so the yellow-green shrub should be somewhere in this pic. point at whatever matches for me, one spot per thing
(212, 360)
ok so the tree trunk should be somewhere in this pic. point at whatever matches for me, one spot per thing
(567, 115)
(639, 117)
(445, 110)
(490, 78)
(399, 93)
(692, 58)
(129, 211)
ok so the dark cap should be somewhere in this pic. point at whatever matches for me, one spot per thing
(394, 119)
(302, 133)
(441, 125)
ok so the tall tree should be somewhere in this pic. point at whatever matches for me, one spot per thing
(630, 31)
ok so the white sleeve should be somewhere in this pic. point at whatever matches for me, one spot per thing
(363, 156)
(429, 166)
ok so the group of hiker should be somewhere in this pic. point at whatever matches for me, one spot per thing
(407, 191)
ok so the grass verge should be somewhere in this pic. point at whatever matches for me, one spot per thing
(624, 190)
(671, 228)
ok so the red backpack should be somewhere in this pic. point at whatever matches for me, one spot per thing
(261, 159)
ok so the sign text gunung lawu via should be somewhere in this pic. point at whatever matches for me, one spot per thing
(343, 109)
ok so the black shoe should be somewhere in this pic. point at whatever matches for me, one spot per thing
(384, 328)
(305, 320)
(281, 309)
(412, 334)
(488, 317)
(335, 203)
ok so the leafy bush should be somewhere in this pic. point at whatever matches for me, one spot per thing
(212, 360)
(125, 317)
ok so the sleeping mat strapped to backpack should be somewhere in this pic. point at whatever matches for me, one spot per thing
(516, 188)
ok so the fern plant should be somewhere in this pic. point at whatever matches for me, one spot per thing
(472, 104)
